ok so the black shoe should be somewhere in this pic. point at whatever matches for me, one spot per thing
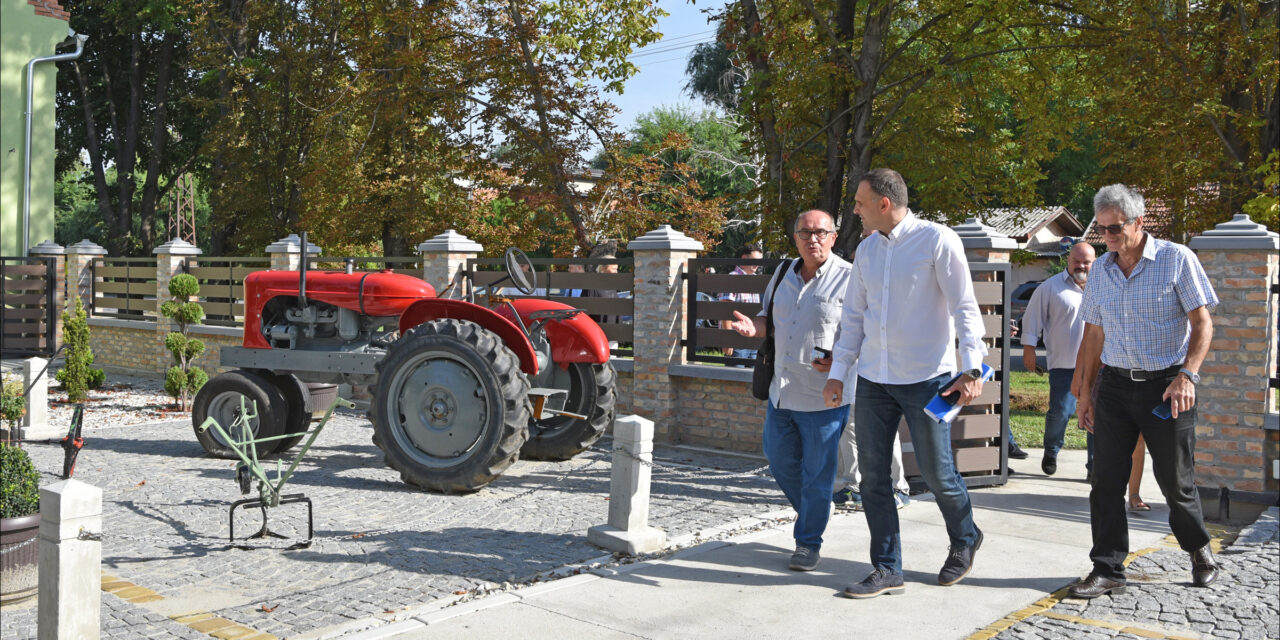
(1204, 570)
(804, 559)
(879, 582)
(1016, 452)
(1049, 465)
(1096, 585)
(958, 563)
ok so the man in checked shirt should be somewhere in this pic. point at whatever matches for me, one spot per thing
(1147, 327)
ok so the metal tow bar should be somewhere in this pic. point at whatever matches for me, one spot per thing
(270, 494)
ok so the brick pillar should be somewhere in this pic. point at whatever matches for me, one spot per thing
(80, 271)
(170, 259)
(48, 249)
(286, 253)
(1236, 449)
(661, 256)
(444, 257)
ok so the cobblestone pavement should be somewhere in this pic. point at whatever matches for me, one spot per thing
(380, 545)
(1160, 602)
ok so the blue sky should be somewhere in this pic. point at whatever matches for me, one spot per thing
(661, 79)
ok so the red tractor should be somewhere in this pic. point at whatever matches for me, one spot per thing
(459, 390)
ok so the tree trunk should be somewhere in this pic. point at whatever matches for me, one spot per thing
(159, 135)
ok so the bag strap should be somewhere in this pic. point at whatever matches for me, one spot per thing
(777, 280)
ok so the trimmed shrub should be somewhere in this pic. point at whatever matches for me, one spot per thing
(19, 483)
(78, 375)
(182, 380)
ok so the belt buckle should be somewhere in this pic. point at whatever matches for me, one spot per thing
(1129, 373)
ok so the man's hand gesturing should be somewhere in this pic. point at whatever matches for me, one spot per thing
(743, 325)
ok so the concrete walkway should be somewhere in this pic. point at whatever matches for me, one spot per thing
(1037, 541)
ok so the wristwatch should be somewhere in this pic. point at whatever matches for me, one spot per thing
(976, 374)
(1191, 375)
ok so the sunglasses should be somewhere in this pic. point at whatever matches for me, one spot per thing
(1114, 229)
(820, 234)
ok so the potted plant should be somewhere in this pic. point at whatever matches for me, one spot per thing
(19, 524)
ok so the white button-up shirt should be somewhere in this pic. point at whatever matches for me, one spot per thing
(805, 315)
(1055, 310)
(910, 295)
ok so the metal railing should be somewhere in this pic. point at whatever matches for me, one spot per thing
(222, 286)
(713, 295)
(28, 320)
(606, 297)
(124, 288)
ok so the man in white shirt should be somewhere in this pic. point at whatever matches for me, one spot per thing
(1054, 309)
(800, 431)
(910, 295)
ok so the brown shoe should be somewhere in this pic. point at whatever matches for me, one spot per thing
(1096, 585)
(1204, 570)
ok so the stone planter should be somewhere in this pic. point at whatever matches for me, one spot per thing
(19, 557)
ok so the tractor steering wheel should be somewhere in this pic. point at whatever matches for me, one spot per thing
(517, 263)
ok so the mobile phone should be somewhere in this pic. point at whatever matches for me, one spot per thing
(1164, 411)
(820, 353)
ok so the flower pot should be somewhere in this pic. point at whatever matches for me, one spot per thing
(19, 557)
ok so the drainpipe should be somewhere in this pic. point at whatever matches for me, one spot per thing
(26, 157)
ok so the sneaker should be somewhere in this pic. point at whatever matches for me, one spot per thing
(804, 559)
(959, 562)
(878, 583)
(1049, 465)
(901, 499)
(847, 499)
(1016, 452)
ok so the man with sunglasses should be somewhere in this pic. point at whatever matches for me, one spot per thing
(910, 296)
(1147, 331)
(801, 432)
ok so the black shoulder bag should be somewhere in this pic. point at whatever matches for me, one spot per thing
(762, 376)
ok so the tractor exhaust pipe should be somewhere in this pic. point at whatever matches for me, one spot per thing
(302, 274)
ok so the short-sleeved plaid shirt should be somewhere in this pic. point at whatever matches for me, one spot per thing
(1144, 316)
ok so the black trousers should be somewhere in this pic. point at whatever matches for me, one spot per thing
(1122, 410)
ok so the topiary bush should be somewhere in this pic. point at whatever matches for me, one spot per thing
(78, 375)
(19, 483)
(183, 380)
(13, 405)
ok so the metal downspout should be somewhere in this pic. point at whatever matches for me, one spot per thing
(26, 142)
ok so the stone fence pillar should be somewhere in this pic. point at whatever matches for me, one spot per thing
(70, 591)
(80, 271)
(286, 253)
(661, 257)
(170, 261)
(444, 258)
(48, 249)
(1235, 449)
(984, 244)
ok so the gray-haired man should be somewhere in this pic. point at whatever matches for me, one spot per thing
(1147, 327)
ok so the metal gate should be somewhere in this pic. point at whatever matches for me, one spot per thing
(28, 324)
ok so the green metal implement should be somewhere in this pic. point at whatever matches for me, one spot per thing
(270, 492)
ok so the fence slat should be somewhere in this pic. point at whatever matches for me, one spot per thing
(235, 274)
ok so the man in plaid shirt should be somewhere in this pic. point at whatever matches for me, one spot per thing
(1147, 331)
(747, 252)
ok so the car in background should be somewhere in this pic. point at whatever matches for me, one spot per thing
(1018, 301)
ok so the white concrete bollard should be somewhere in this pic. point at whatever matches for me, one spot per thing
(628, 529)
(70, 589)
(35, 425)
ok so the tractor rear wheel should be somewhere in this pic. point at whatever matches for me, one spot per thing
(592, 393)
(220, 398)
(451, 406)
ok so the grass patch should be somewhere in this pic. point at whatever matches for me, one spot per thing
(1028, 402)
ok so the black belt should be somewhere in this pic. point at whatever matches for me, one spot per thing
(1138, 375)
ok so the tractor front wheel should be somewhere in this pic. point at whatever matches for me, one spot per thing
(591, 393)
(451, 408)
(220, 398)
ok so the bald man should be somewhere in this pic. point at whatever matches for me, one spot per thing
(1053, 319)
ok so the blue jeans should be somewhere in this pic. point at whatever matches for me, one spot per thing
(877, 411)
(744, 353)
(1061, 405)
(802, 448)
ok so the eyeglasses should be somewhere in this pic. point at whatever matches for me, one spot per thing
(1114, 229)
(820, 234)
